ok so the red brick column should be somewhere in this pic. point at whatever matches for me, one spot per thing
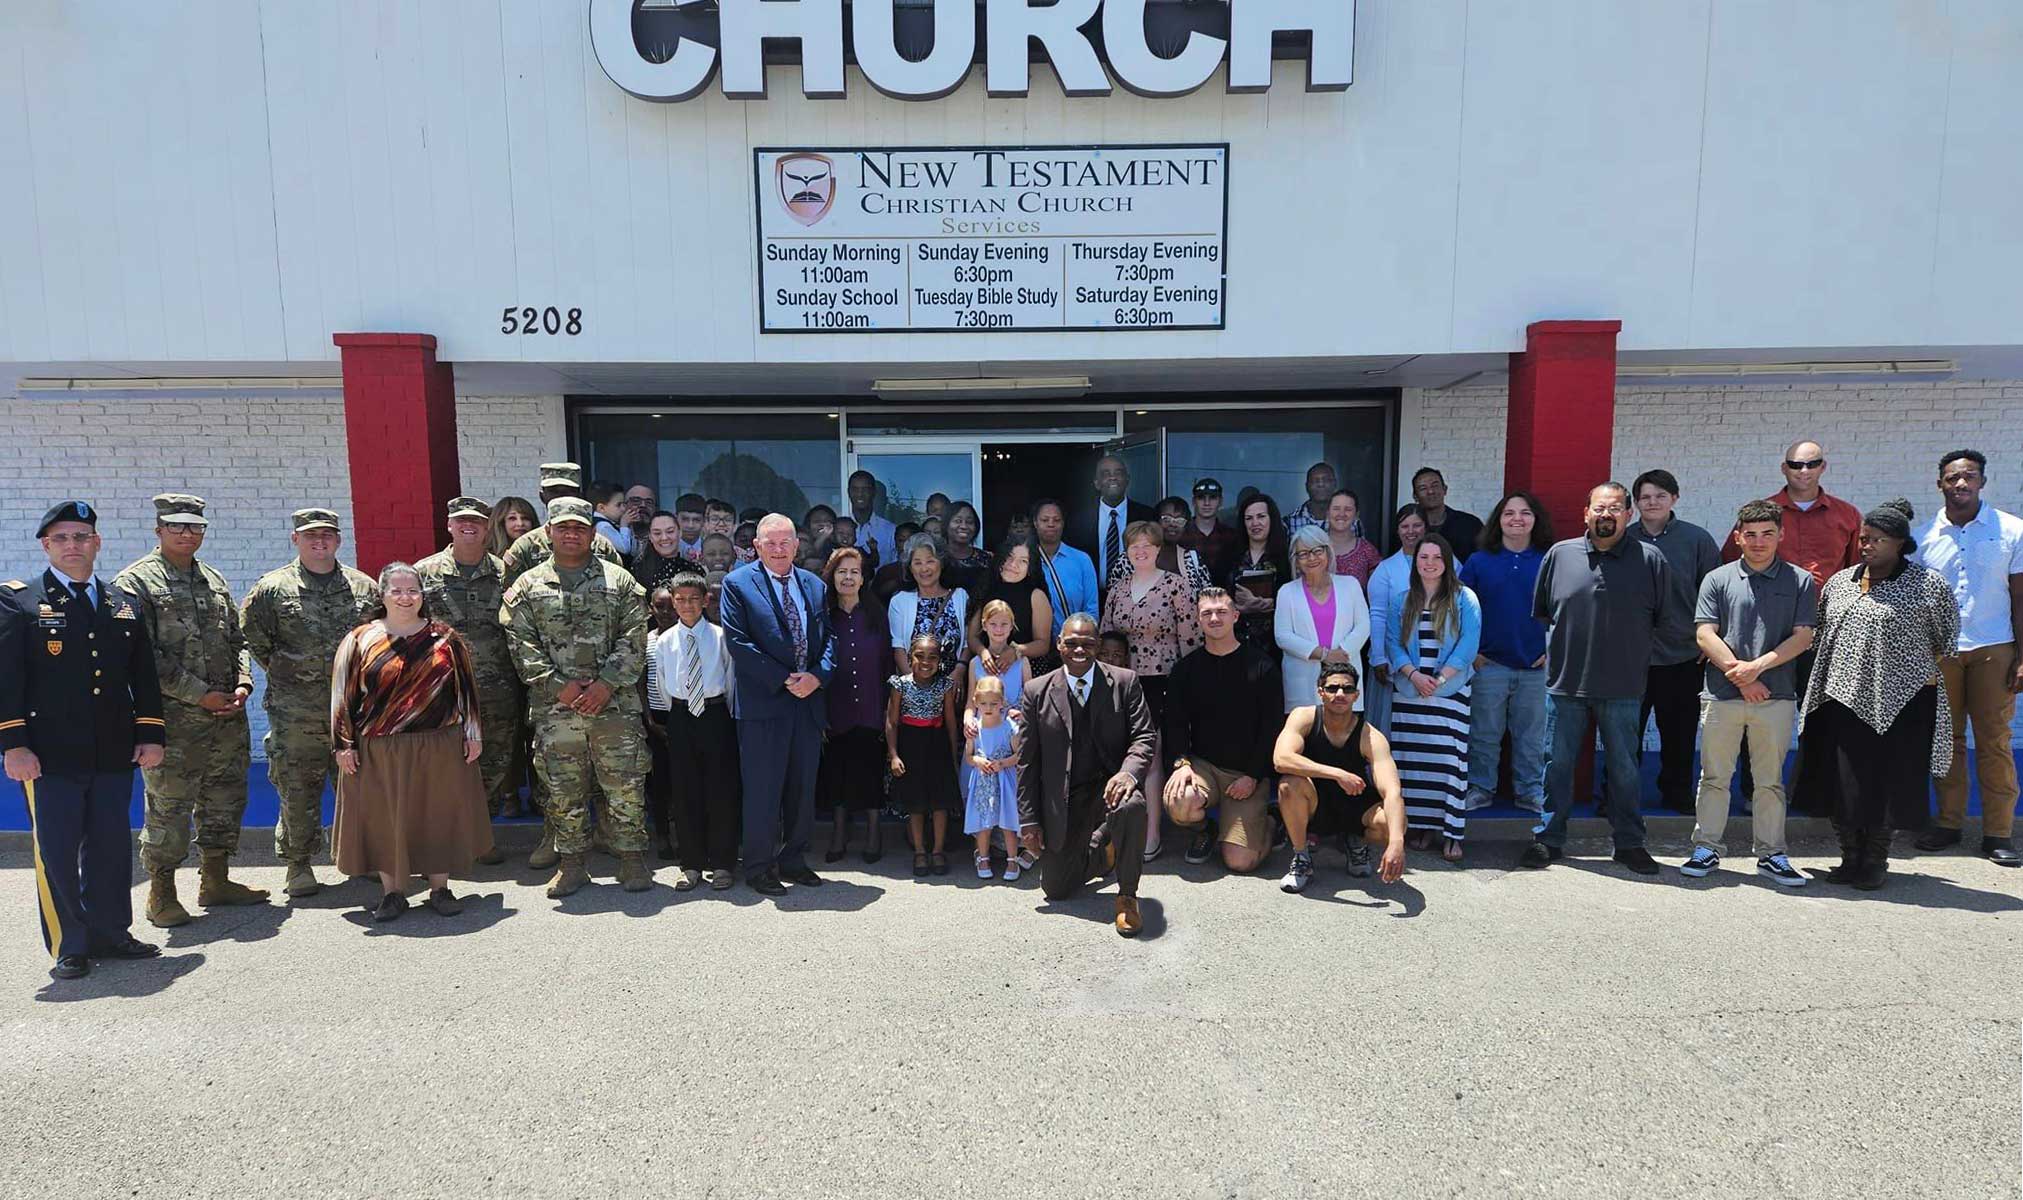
(400, 427)
(1561, 428)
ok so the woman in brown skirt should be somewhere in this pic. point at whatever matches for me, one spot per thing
(404, 722)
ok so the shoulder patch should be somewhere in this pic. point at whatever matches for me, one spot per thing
(15, 585)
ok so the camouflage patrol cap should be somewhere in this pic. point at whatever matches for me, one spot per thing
(564, 510)
(561, 475)
(174, 508)
(470, 506)
(306, 519)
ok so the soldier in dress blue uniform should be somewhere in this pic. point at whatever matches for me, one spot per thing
(80, 707)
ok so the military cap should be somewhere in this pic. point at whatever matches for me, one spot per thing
(314, 518)
(173, 508)
(470, 506)
(69, 510)
(563, 510)
(561, 475)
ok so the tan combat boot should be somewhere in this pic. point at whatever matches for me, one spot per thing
(569, 877)
(544, 855)
(301, 881)
(215, 887)
(632, 873)
(164, 910)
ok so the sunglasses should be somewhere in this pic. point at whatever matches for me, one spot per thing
(1804, 464)
(1337, 689)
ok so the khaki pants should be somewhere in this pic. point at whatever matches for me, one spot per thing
(1977, 683)
(1722, 726)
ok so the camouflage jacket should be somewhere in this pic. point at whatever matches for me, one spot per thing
(534, 548)
(469, 604)
(596, 629)
(293, 621)
(193, 623)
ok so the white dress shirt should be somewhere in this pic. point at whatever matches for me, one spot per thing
(1976, 560)
(666, 687)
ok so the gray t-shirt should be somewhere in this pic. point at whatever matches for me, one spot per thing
(1754, 612)
(1690, 551)
(1602, 608)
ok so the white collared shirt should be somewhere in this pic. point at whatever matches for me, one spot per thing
(665, 686)
(1976, 561)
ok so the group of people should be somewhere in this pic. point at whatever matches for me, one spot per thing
(1110, 670)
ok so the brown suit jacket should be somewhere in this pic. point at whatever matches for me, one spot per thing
(1123, 740)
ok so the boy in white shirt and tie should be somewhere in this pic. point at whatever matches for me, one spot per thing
(690, 690)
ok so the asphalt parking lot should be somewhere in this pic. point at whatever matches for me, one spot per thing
(1479, 1032)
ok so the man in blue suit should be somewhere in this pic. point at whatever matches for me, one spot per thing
(776, 617)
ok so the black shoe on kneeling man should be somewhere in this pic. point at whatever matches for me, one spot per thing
(131, 947)
(1537, 855)
(767, 883)
(71, 966)
(1638, 859)
(2001, 852)
(803, 876)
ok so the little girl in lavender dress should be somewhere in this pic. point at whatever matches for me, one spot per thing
(994, 781)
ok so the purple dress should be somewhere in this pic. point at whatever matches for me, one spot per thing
(853, 758)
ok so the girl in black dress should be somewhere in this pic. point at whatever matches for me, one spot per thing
(924, 729)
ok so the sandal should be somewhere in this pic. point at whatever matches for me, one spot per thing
(983, 870)
(940, 862)
(1451, 851)
(1026, 860)
(919, 865)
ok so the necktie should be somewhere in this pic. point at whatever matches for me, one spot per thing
(83, 593)
(1113, 545)
(1081, 685)
(691, 672)
(795, 629)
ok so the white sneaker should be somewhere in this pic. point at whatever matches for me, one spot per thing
(1476, 798)
(1299, 875)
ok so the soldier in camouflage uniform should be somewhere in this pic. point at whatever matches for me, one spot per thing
(294, 618)
(577, 627)
(464, 592)
(528, 551)
(193, 624)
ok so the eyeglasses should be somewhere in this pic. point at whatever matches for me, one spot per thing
(1311, 552)
(1804, 464)
(1607, 510)
(1337, 689)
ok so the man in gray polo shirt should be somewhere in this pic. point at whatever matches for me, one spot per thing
(1753, 618)
(1602, 597)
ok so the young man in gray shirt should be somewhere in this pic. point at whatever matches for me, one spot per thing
(1754, 617)
(1602, 597)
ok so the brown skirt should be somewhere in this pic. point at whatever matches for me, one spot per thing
(414, 808)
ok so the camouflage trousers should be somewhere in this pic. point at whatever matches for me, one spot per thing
(499, 712)
(576, 756)
(299, 765)
(203, 773)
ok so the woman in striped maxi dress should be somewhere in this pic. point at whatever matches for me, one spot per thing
(1432, 639)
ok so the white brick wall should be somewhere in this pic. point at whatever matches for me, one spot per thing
(255, 460)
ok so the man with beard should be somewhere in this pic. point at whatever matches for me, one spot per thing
(1602, 596)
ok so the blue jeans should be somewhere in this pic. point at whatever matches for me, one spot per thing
(1505, 698)
(1566, 719)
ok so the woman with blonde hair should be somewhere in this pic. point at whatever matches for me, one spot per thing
(511, 517)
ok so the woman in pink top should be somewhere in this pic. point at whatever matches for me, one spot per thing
(1320, 617)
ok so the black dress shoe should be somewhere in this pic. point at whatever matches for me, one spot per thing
(767, 883)
(802, 876)
(1638, 859)
(1537, 855)
(2000, 852)
(71, 966)
(132, 947)
(1938, 837)
(833, 855)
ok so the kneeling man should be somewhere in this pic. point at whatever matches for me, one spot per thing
(1082, 761)
(1328, 759)
(1223, 705)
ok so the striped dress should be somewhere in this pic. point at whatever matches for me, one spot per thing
(1429, 740)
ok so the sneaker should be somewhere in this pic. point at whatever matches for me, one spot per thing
(1201, 847)
(1299, 875)
(1537, 855)
(391, 905)
(1476, 798)
(1532, 804)
(1704, 861)
(1779, 870)
(1359, 859)
(1638, 859)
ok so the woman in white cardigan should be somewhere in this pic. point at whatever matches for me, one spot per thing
(1319, 615)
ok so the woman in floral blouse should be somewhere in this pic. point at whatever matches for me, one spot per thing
(1155, 610)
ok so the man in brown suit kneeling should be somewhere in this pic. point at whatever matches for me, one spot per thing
(1082, 760)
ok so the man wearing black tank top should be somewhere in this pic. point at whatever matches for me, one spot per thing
(1328, 761)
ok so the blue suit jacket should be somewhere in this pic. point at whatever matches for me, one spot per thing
(761, 651)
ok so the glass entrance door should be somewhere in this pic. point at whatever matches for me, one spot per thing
(909, 470)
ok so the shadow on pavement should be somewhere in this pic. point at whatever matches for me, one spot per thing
(238, 923)
(481, 912)
(119, 979)
(1101, 908)
(1918, 891)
